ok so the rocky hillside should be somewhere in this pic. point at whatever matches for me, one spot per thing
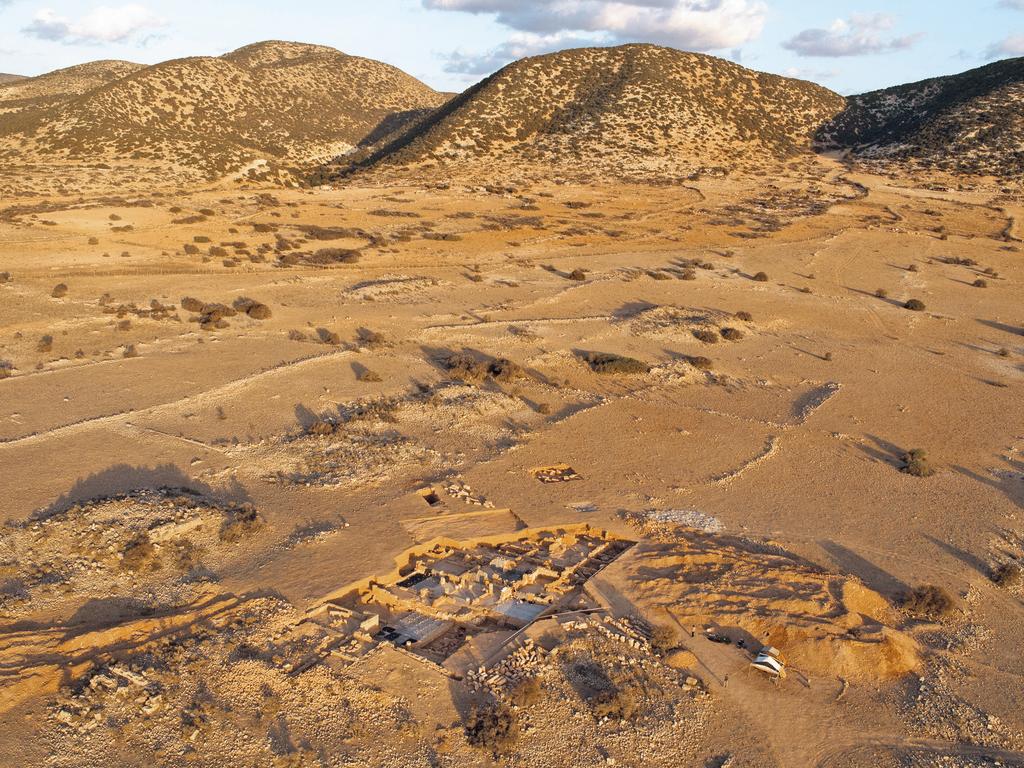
(631, 111)
(4, 79)
(276, 103)
(967, 123)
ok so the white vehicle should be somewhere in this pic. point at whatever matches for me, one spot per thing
(771, 662)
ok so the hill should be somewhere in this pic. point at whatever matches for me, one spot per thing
(630, 111)
(4, 79)
(273, 102)
(53, 88)
(970, 123)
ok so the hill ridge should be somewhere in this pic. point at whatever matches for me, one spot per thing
(971, 122)
(635, 110)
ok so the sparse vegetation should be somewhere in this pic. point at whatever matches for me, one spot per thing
(761, 277)
(929, 601)
(664, 638)
(731, 334)
(1008, 575)
(609, 363)
(140, 555)
(492, 727)
(241, 522)
(915, 463)
(59, 291)
(914, 305)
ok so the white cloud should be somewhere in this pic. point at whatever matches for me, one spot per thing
(811, 74)
(518, 46)
(1006, 48)
(545, 25)
(1017, 5)
(859, 35)
(104, 24)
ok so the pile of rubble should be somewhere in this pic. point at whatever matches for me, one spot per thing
(558, 474)
(83, 710)
(527, 661)
(459, 489)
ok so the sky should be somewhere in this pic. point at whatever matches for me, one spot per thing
(850, 46)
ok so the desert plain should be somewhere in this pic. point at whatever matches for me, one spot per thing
(243, 422)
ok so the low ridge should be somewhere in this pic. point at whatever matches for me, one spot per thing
(970, 123)
(629, 111)
(268, 103)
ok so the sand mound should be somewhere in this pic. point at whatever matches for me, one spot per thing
(683, 322)
(161, 540)
(826, 623)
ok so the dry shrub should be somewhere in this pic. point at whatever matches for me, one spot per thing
(761, 277)
(60, 290)
(929, 601)
(914, 305)
(294, 335)
(368, 338)
(190, 304)
(191, 250)
(328, 337)
(1008, 575)
(708, 337)
(746, 317)
(619, 703)
(578, 275)
(610, 363)
(241, 522)
(731, 334)
(882, 293)
(915, 463)
(465, 367)
(664, 638)
(493, 727)
(504, 370)
(527, 693)
(254, 309)
(700, 363)
(326, 256)
(979, 283)
(186, 555)
(140, 555)
(45, 343)
(368, 376)
(324, 428)
(5, 277)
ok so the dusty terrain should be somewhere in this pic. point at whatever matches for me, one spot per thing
(480, 465)
(760, 473)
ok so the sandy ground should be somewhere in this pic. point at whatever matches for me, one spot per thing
(794, 432)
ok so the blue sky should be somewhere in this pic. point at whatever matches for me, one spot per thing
(847, 45)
